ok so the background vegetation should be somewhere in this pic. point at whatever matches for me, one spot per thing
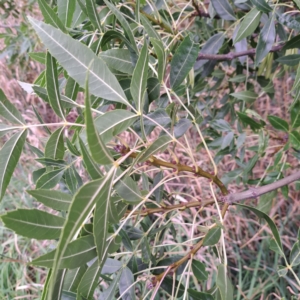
(235, 117)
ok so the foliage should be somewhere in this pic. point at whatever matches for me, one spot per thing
(158, 79)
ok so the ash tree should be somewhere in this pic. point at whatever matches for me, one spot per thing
(165, 95)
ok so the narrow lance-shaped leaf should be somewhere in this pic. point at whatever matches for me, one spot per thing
(55, 145)
(50, 179)
(93, 14)
(33, 223)
(123, 23)
(9, 157)
(182, 62)
(81, 207)
(248, 25)
(76, 59)
(8, 110)
(149, 28)
(65, 10)
(50, 16)
(139, 79)
(73, 278)
(77, 253)
(72, 88)
(224, 283)
(161, 56)
(126, 286)
(98, 149)
(265, 40)
(53, 199)
(109, 293)
(52, 86)
(223, 9)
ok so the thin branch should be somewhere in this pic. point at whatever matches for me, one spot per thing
(233, 55)
(256, 192)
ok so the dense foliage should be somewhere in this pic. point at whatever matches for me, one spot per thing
(159, 79)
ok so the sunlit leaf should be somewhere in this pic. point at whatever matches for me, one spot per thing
(76, 58)
(33, 223)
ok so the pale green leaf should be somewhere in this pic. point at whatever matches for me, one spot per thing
(53, 199)
(212, 237)
(65, 10)
(9, 157)
(93, 14)
(139, 79)
(77, 253)
(109, 293)
(78, 59)
(33, 223)
(295, 255)
(161, 56)
(224, 283)
(126, 286)
(223, 9)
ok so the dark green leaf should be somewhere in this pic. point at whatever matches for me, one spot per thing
(53, 199)
(212, 237)
(295, 139)
(146, 250)
(292, 43)
(199, 295)
(73, 278)
(72, 88)
(161, 56)
(266, 40)
(290, 60)
(33, 223)
(183, 61)
(55, 145)
(158, 192)
(262, 5)
(168, 283)
(248, 25)
(249, 121)
(149, 29)
(139, 79)
(77, 254)
(295, 115)
(278, 123)
(70, 179)
(9, 157)
(153, 88)
(50, 179)
(50, 16)
(50, 162)
(8, 111)
(223, 9)
(199, 270)
(91, 10)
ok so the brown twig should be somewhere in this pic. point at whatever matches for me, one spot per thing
(233, 55)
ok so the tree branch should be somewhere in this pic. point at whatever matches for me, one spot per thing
(233, 55)
(256, 192)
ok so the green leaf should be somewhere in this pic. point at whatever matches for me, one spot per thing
(290, 60)
(146, 250)
(161, 57)
(270, 223)
(295, 139)
(118, 59)
(295, 255)
(38, 56)
(126, 285)
(199, 295)
(224, 283)
(98, 149)
(73, 278)
(282, 271)
(183, 61)
(77, 253)
(102, 217)
(248, 25)
(266, 40)
(76, 58)
(91, 167)
(91, 10)
(139, 79)
(247, 96)
(9, 157)
(212, 237)
(199, 270)
(181, 127)
(295, 116)
(70, 179)
(278, 123)
(149, 28)
(82, 205)
(53, 199)
(292, 43)
(223, 9)
(265, 202)
(262, 5)
(168, 283)
(8, 111)
(249, 121)
(49, 162)
(153, 89)
(159, 144)
(72, 88)
(50, 16)
(109, 293)
(212, 46)
(128, 190)
(65, 10)
(55, 145)
(228, 138)
(158, 192)
(123, 23)
(33, 223)
(50, 179)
